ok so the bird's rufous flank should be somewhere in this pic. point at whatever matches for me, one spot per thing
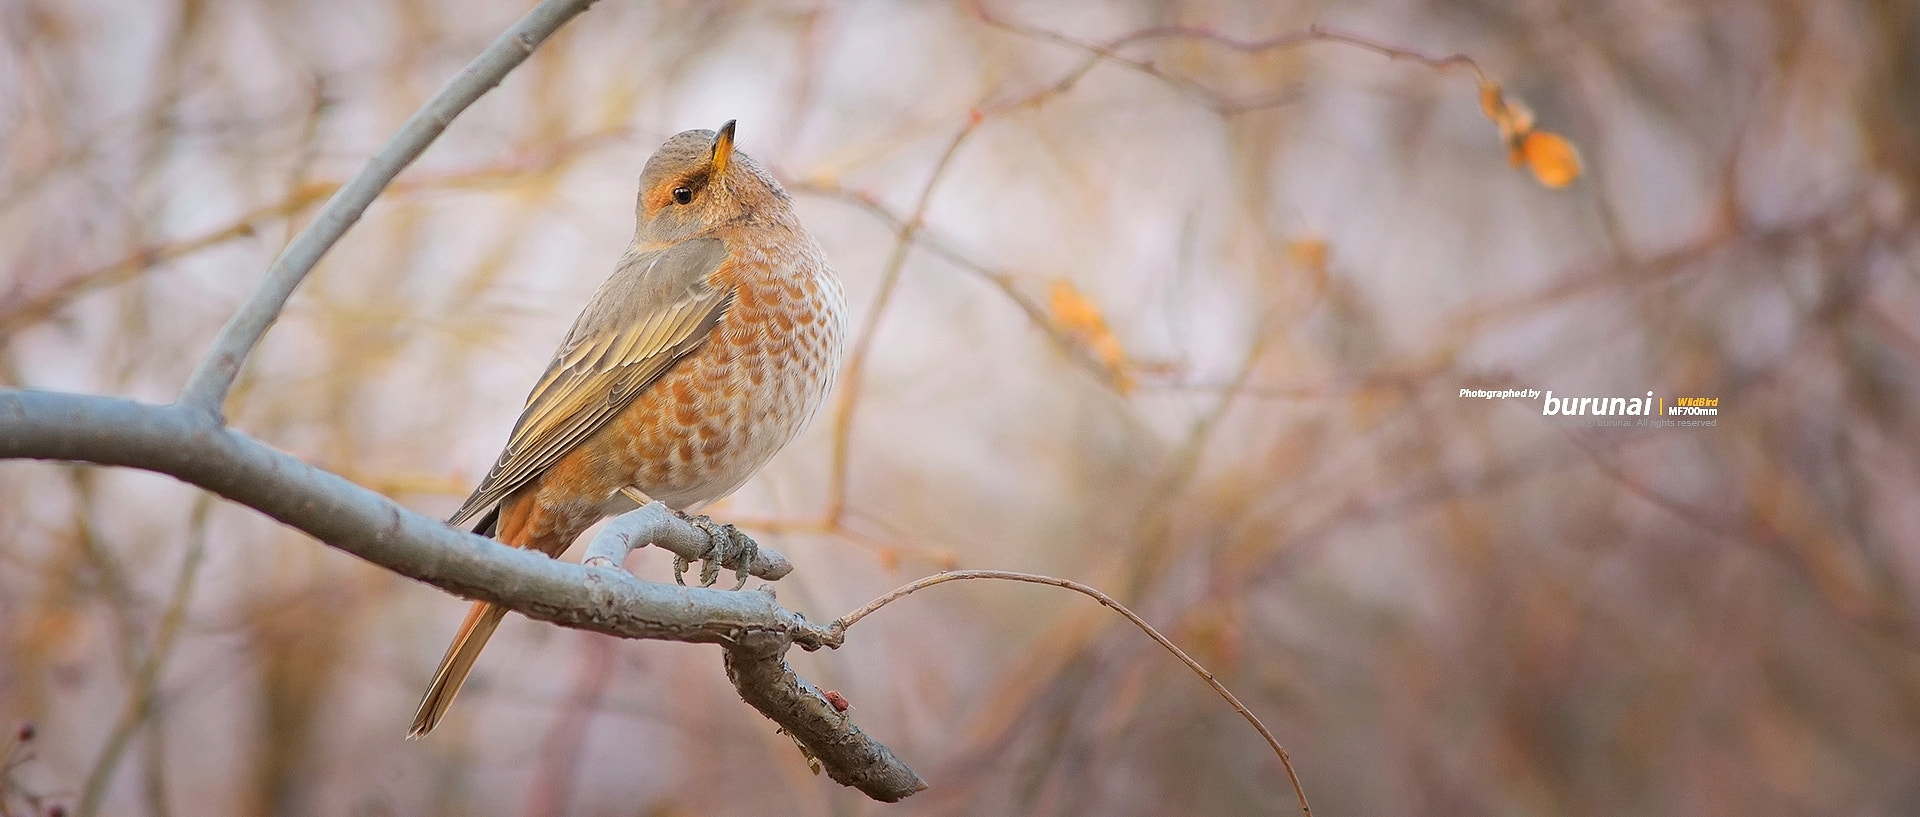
(712, 344)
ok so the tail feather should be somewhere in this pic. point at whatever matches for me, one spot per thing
(480, 623)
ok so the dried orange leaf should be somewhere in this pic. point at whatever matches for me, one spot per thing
(1073, 310)
(1310, 253)
(1080, 319)
(1553, 159)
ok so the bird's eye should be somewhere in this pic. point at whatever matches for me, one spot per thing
(682, 195)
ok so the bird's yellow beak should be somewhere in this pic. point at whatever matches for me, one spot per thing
(722, 149)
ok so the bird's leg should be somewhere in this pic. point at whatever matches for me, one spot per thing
(740, 560)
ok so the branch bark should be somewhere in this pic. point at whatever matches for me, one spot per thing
(192, 446)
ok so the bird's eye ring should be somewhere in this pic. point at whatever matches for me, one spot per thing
(682, 195)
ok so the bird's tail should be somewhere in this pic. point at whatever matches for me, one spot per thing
(480, 623)
(482, 618)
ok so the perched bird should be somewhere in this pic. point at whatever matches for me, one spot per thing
(712, 344)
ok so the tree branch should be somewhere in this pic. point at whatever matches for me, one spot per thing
(191, 445)
(757, 668)
(207, 388)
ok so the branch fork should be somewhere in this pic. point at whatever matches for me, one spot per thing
(756, 656)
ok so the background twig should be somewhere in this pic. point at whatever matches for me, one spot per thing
(842, 624)
(208, 386)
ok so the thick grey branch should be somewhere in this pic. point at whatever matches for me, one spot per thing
(758, 668)
(207, 388)
(192, 445)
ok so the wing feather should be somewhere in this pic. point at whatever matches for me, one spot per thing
(656, 308)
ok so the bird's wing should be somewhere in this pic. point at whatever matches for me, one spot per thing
(657, 307)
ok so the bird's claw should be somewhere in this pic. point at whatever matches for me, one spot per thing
(726, 547)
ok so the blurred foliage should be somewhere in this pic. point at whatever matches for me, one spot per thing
(1164, 297)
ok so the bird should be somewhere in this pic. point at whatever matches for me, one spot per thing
(712, 344)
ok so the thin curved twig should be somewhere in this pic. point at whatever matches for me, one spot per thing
(1110, 50)
(840, 626)
(1002, 281)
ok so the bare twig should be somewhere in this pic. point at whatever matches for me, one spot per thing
(207, 389)
(1111, 50)
(1155, 520)
(1687, 258)
(18, 311)
(24, 310)
(840, 626)
(853, 376)
(141, 698)
(18, 754)
(855, 372)
(926, 237)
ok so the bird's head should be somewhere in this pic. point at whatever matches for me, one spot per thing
(697, 181)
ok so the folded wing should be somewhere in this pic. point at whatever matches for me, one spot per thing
(655, 309)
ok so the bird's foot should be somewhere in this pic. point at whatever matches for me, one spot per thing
(691, 539)
(726, 547)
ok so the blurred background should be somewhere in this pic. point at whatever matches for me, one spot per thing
(1184, 312)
